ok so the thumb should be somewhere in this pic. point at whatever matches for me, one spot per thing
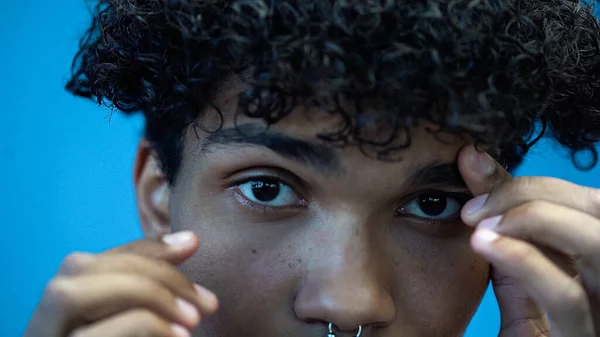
(520, 316)
(480, 171)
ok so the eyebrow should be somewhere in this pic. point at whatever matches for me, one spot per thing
(440, 174)
(320, 156)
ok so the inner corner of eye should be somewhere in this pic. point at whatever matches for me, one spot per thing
(400, 210)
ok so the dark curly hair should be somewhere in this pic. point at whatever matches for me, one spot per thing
(490, 69)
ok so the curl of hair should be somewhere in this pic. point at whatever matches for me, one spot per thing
(489, 69)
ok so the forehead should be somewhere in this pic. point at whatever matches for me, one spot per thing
(299, 131)
(310, 123)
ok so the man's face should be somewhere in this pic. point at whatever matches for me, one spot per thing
(295, 233)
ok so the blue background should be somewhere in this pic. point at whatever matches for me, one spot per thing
(65, 168)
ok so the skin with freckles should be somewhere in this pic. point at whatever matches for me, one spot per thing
(344, 241)
(308, 164)
(274, 232)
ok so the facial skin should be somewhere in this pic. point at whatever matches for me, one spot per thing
(342, 240)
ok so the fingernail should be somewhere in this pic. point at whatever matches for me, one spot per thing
(475, 204)
(206, 295)
(490, 223)
(178, 239)
(482, 163)
(484, 237)
(188, 311)
(179, 331)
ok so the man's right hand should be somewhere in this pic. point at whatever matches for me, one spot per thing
(132, 290)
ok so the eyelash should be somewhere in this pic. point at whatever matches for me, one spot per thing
(460, 198)
(263, 208)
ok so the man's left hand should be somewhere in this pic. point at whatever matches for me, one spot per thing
(542, 239)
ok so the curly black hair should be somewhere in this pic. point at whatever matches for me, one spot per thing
(489, 69)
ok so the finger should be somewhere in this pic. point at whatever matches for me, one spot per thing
(153, 269)
(526, 189)
(132, 323)
(173, 248)
(87, 298)
(563, 298)
(561, 228)
(480, 171)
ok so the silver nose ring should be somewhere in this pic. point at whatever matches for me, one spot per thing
(332, 334)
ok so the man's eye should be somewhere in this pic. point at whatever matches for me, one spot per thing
(433, 205)
(268, 192)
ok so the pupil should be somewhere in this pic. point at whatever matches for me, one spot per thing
(433, 204)
(265, 190)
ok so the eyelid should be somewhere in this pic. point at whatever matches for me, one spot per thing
(246, 201)
(462, 198)
(283, 176)
(453, 194)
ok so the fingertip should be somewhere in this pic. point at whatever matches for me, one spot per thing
(477, 161)
(466, 151)
(179, 331)
(464, 157)
(209, 300)
(188, 312)
(482, 240)
(476, 182)
(480, 172)
(185, 242)
(470, 211)
(180, 239)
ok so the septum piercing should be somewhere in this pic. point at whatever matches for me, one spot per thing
(332, 334)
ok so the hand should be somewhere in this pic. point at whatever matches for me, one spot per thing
(542, 238)
(132, 290)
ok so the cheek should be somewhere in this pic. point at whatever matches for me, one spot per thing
(246, 265)
(239, 257)
(445, 286)
(438, 283)
(233, 253)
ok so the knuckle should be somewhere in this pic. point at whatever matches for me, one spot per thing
(161, 293)
(74, 263)
(509, 188)
(536, 209)
(79, 332)
(594, 239)
(58, 293)
(572, 299)
(528, 186)
(127, 261)
(522, 184)
(589, 249)
(146, 316)
(574, 295)
(148, 260)
(595, 200)
(520, 253)
(148, 319)
(499, 187)
(151, 290)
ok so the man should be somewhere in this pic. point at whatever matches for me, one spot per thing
(341, 168)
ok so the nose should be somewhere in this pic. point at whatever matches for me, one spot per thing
(346, 281)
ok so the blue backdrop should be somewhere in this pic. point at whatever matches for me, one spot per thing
(65, 168)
